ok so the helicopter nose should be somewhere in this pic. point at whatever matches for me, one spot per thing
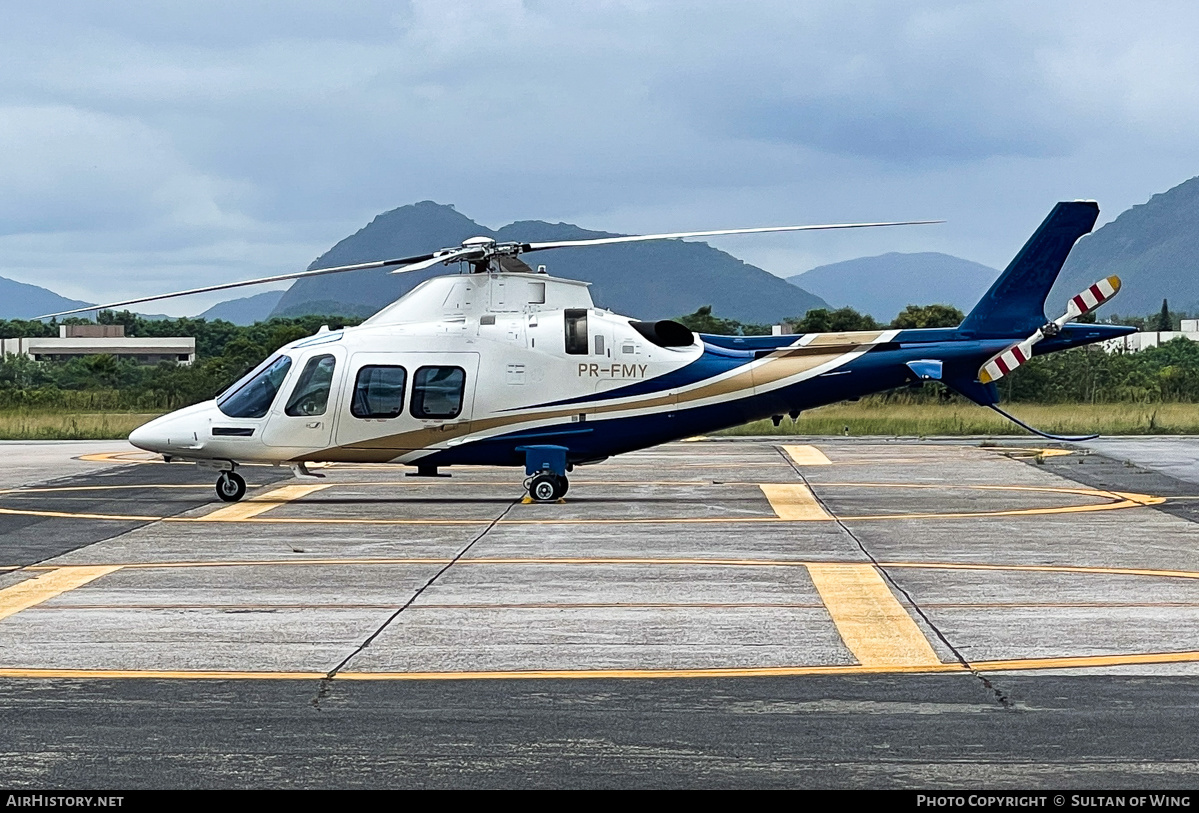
(151, 436)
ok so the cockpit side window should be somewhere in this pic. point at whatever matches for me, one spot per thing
(254, 397)
(311, 393)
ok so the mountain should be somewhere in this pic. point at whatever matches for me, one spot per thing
(883, 286)
(1153, 248)
(245, 311)
(19, 300)
(653, 280)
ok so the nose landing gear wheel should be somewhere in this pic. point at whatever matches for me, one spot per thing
(230, 486)
(547, 487)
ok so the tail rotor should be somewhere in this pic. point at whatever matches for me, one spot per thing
(1017, 354)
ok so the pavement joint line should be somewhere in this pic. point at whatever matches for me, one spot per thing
(1000, 696)
(873, 625)
(54, 582)
(1009, 665)
(807, 456)
(261, 503)
(327, 680)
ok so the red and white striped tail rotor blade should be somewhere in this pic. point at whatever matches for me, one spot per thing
(1009, 359)
(1092, 298)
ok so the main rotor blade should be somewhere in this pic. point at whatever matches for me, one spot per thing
(442, 257)
(633, 238)
(316, 272)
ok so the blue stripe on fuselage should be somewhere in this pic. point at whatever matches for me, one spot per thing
(882, 368)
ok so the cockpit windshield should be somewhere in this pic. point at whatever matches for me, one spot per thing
(252, 396)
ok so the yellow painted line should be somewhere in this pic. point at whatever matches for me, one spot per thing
(541, 674)
(261, 503)
(1121, 500)
(1087, 570)
(34, 591)
(120, 457)
(1130, 501)
(877, 630)
(1080, 662)
(156, 674)
(1087, 661)
(650, 561)
(17, 492)
(806, 456)
(794, 502)
(643, 674)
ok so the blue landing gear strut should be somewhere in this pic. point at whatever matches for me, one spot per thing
(546, 467)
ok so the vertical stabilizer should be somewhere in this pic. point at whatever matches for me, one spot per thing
(1015, 305)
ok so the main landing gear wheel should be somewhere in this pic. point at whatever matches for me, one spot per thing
(230, 486)
(548, 487)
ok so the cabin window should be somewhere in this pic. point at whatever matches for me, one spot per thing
(379, 392)
(311, 393)
(437, 392)
(599, 344)
(576, 331)
(253, 396)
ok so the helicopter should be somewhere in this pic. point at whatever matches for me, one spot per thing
(505, 365)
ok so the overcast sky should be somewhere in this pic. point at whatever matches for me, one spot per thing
(150, 146)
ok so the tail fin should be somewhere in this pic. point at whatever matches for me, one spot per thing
(1015, 305)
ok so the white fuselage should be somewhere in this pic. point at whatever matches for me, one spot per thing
(506, 333)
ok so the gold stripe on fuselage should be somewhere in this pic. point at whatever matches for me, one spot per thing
(776, 366)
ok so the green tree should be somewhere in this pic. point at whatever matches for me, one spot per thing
(704, 321)
(917, 316)
(1164, 322)
(841, 320)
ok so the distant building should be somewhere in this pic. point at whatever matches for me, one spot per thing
(75, 341)
(1139, 341)
(783, 329)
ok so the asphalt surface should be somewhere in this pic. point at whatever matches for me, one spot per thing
(939, 615)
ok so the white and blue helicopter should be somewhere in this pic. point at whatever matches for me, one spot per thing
(508, 366)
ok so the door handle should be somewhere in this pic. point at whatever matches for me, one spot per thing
(314, 424)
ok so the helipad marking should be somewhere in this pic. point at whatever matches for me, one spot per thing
(34, 591)
(261, 503)
(806, 456)
(794, 502)
(877, 630)
(1118, 500)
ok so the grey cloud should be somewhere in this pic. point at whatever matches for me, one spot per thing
(148, 140)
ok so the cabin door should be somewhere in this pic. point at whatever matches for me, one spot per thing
(407, 401)
(302, 417)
